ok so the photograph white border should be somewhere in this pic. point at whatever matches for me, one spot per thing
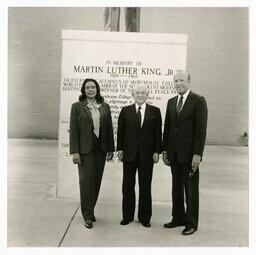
(3, 122)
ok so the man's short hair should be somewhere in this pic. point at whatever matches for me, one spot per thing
(143, 86)
(185, 72)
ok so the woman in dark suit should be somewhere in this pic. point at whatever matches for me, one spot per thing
(91, 144)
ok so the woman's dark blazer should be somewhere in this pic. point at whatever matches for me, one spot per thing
(81, 129)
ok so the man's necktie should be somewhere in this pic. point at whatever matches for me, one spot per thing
(139, 115)
(179, 106)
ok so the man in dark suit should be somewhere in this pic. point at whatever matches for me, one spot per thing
(183, 145)
(138, 146)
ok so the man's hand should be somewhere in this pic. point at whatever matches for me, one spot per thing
(76, 158)
(109, 156)
(195, 163)
(165, 159)
(155, 157)
(120, 155)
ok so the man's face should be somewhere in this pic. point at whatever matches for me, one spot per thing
(140, 95)
(181, 83)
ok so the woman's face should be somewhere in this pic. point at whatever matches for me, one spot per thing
(90, 89)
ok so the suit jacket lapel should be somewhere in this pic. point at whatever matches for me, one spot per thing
(173, 108)
(86, 110)
(134, 109)
(147, 115)
(134, 114)
(102, 113)
(186, 107)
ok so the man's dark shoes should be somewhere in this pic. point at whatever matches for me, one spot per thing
(125, 222)
(146, 224)
(93, 219)
(173, 224)
(188, 231)
(88, 224)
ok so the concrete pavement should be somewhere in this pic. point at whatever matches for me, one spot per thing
(36, 218)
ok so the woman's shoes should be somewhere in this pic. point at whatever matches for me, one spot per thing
(88, 224)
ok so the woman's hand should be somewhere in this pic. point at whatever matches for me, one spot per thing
(76, 158)
(155, 157)
(165, 159)
(109, 156)
(120, 155)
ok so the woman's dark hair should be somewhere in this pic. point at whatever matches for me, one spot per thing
(98, 96)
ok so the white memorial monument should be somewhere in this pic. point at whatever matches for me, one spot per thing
(118, 61)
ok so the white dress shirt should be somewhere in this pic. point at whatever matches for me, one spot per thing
(184, 98)
(142, 111)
